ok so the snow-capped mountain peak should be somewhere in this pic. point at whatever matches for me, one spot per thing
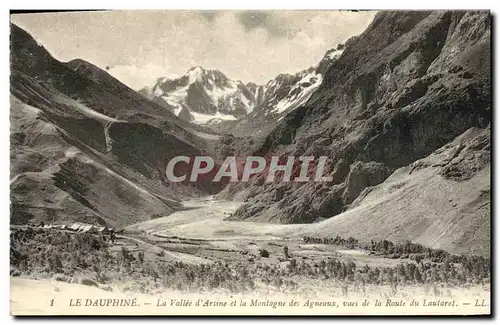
(195, 74)
(203, 94)
(208, 96)
(284, 93)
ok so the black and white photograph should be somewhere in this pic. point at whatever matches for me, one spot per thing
(250, 162)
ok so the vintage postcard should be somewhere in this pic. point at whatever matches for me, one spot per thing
(250, 162)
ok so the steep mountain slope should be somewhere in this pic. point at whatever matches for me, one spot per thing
(282, 95)
(441, 201)
(89, 147)
(411, 83)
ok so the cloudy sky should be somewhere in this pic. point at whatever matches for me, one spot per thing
(139, 46)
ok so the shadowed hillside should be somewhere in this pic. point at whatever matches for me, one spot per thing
(86, 147)
(410, 84)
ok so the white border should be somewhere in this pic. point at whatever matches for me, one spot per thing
(255, 4)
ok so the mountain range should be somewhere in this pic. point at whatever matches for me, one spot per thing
(208, 97)
(402, 111)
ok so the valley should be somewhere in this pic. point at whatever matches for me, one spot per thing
(163, 258)
(401, 114)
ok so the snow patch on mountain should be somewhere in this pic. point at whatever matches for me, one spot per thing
(300, 93)
(205, 118)
(202, 95)
(195, 74)
(334, 54)
(208, 97)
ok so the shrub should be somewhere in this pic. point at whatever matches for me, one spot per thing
(107, 288)
(419, 257)
(293, 264)
(140, 257)
(264, 253)
(285, 251)
(89, 282)
(125, 254)
(61, 278)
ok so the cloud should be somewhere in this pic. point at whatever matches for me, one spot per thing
(137, 77)
(263, 19)
(141, 46)
(209, 15)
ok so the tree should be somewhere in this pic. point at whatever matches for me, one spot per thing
(125, 253)
(285, 251)
(418, 258)
(417, 276)
(293, 264)
(140, 257)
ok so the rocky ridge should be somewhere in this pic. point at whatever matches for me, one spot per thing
(410, 84)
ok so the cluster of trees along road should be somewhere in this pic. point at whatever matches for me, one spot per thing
(432, 265)
(41, 251)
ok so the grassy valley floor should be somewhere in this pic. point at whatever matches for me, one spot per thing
(195, 253)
